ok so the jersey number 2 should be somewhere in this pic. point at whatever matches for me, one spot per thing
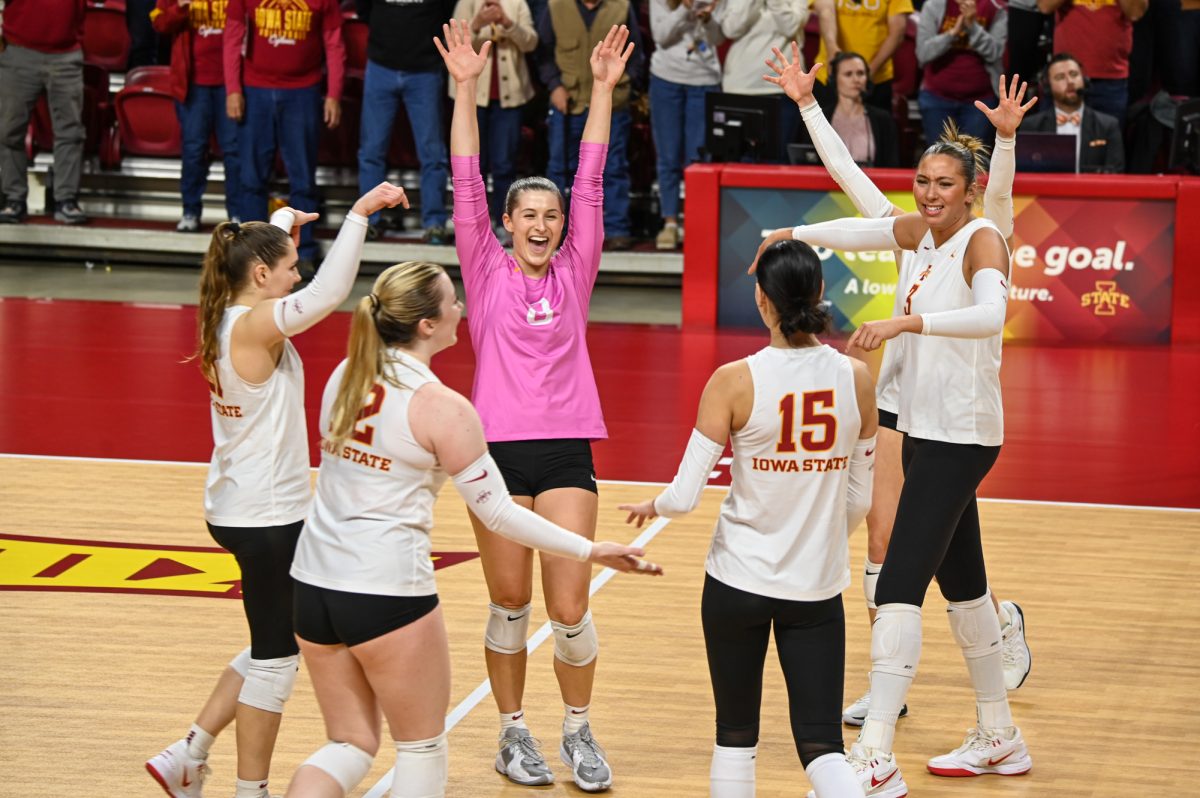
(365, 433)
(812, 403)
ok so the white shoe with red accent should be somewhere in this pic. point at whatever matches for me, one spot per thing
(985, 751)
(178, 772)
(877, 772)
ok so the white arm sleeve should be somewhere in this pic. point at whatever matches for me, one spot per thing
(850, 235)
(296, 313)
(683, 494)
(989, 289)
(865, 195)
(483, 489)
(998, 198)
(862, 477)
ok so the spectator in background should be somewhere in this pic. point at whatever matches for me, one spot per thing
(198, 84)
(1100, 33)
(276, 88)
(403, 66)
(869, 133)
(502, 91)
(40, 50)
(568, 30)
(683, 68)
(960, 45)
(756, 26)
(143, 36)
(873, 28)
(1028, 39)
(1099, 147)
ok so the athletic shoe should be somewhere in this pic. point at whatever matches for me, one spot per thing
(586, 758)
(985, 751)
(856, 713)
(520, 758)
(187, 224)
(667, 238)
(13, 212)
(1014, 649)
(178, 772)
(69, 212)
(877, 772)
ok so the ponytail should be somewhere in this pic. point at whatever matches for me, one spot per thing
(789, 274)
(970, 152)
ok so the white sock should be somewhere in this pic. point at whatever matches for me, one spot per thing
(732, 772)
(512, 720)
(251, 789)
(833, 777)
(198, 742)
(574, 718)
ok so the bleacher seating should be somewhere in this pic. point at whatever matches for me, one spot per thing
(105, 35)
(146, 120)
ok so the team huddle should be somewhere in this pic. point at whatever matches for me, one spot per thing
(344, 577)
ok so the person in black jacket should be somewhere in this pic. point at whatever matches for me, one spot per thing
(1100, 148)
(868, 132)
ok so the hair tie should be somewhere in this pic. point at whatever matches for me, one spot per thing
(374, 302)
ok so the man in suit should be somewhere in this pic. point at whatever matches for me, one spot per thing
(1099, 147)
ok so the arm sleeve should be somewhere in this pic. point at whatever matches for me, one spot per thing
(335, 50)
(998, 197)
(862, 477)
(474, 240)
(985, 318)
(486, 495)
(296, 313)
(683, 494)
(865, 195)
(850, 235)
(234, 45)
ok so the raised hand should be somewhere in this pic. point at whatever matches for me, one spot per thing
(384, 195)
(462, 62)
(790, 75)
(639, 513)
(623, 558)
(610, 56)
(1007, 115)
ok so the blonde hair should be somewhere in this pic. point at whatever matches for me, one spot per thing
(402, 296)
(233, 250)
(970, 152)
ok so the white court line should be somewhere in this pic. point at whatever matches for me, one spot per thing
(481, 692)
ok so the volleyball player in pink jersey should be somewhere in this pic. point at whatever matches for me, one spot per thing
(537, 396)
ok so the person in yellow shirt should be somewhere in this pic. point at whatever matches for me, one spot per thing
(874, 28)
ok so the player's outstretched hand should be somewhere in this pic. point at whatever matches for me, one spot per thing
(1009, 111)
(639, 513)
(791, 77)
(384, 195)
(292, 225)
(623, 558)
(782, 234)
(610, 56)
(462, 62)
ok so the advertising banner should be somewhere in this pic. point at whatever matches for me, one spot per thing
(1084, 269)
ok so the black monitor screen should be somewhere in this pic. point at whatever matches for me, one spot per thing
(1185, 141)
(742, 128)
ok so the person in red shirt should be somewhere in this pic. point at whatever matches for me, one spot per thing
(276, 55)
(198, 83)
(40, 51)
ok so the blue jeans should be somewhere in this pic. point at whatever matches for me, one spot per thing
(201, 115)
(936, 110)
(288, 120)
(422, 94)
(500, 134)
(565, 134)
(677, 122)
(1109, 96)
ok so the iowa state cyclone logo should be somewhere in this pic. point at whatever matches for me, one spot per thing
(88, 566)
(1105, 299)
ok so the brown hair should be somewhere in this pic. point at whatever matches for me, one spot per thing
(970, 152)
(402, 296)
(234, 249)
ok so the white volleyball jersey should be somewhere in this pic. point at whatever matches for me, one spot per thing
(370, 523)
(259, 474)
(782, 528)
(887, 389)
(949, 387)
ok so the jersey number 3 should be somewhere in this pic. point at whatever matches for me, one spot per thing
(365, 433)
(822, 424)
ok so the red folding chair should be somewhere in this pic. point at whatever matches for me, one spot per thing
(146, 121)
(106, 35)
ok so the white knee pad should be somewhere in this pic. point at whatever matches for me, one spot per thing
(507, 629)
(421, 768)
(896, 640)
(975, 626)
(269, 683)
(241, 663)
(347, 764)
(576, 645)
(870, 579)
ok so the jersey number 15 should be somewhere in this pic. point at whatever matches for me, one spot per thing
(818, 428)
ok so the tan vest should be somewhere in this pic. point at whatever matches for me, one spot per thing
(573, 43)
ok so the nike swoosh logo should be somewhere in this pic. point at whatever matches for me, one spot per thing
(515, 617)
(577, 634)
(578, 711)
(870, 452)
(993, 762)
(875, 783)
(481, 476)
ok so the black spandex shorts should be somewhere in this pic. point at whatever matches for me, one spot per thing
(887, 419)
(534, 467)
(329, 617)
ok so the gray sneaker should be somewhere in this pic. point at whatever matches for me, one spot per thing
(586, 758)
(188, 224)
(69, 212)
(520, 758)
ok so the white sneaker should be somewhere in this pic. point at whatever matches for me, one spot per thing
(1014, 649)
(877, 772)
(985, 751)
(856, 713)
(520, 758)
(583, 754)
(177, 772)
(188, 224)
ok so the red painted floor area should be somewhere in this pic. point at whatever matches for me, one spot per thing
(1084, 424)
